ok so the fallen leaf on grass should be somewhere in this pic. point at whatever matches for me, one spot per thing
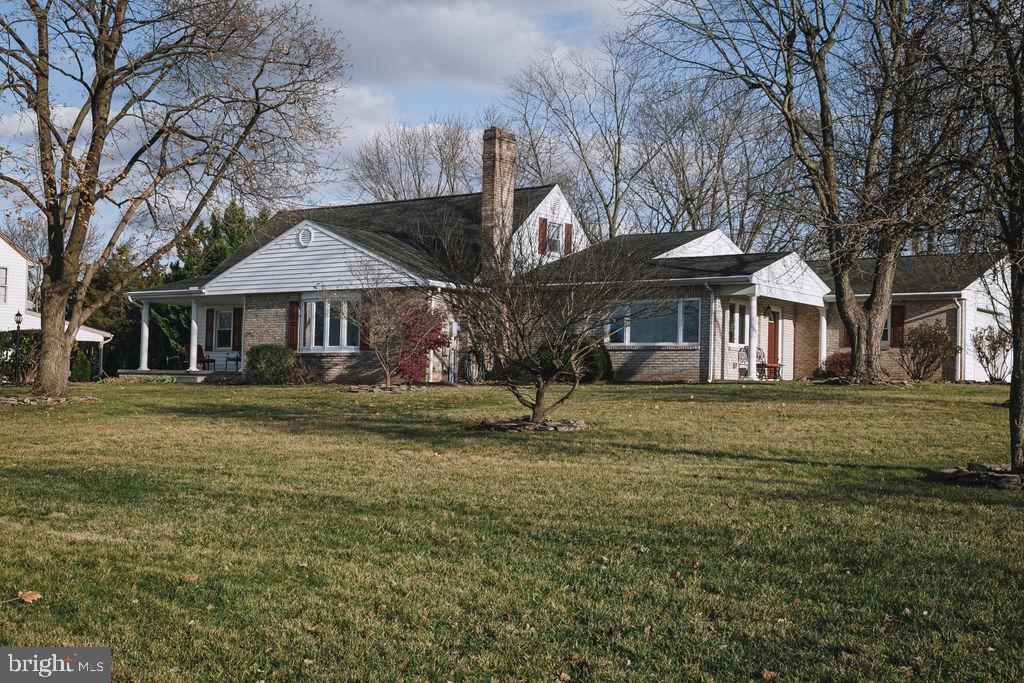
(315, 628)
(29, 596)
(768, 675)
(190, 578)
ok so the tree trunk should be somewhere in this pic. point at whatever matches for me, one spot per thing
(539, 411)
(55, 352)
(1017, 378)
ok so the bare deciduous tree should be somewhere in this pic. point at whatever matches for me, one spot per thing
(399, 323)
(866, 118)
(985, 53)
(408, 162)
(142, 111)
(577, 117)
(719, 161)
(535, 326)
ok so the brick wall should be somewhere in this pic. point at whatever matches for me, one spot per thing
(917, 311)
(806, 324)
(266, 319)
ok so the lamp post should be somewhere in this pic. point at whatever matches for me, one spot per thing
(17, 346)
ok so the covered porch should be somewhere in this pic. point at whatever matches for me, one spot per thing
(213, 343)
(759, 337)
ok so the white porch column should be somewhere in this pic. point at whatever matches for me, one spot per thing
(193, 337)
(822, 336)
(752, 336)
(144, 338)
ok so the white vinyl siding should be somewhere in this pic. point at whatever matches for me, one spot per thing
(656, 323)
(286, 266)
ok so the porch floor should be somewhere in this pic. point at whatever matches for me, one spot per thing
(179, 376)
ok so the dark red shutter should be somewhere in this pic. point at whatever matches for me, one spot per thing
(568, 238)
(293, 325)
(542, 235)
(899, 318)
(209, 329)
(236, 329)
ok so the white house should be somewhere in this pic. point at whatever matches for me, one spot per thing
(14, 270)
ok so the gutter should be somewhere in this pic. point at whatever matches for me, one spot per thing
(905, 295)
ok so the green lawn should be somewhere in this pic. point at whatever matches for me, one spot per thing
(695, 532)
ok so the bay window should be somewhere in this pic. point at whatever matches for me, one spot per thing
(325, 326)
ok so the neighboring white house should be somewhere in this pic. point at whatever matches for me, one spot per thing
(14, 269)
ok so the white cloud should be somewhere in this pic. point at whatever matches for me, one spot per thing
(450, 43)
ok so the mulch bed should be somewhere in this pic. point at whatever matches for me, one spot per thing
(977, 474)
(495, 424)
(380, 388)
(44, 401)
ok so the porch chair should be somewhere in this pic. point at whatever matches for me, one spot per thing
(202, 360)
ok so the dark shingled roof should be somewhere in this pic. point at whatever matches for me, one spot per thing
(646, 247)
(924, 273)
(396, 231)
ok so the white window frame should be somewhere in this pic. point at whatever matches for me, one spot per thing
(559, 239)
(217, 328)
(738, 314)
(627, 326)
(3, 285)
(326, 347)
(887, 331)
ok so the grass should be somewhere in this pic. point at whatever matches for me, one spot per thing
(699, 532)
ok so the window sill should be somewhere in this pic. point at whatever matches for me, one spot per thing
(329, 352)
(654, 347)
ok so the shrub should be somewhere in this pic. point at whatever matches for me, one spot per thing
(597, 363)
(926, 348)
(992, 347)
(31, 342)
(270, 364)
(836, 365)
(81, 368)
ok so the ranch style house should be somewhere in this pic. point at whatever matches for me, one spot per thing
(734, 315)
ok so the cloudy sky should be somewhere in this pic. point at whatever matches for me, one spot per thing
(412, 58)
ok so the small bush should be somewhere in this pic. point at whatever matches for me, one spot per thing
(926, 349)
(270, 364)
(992, 347)
(81, 368)
(31, 343)
(836, 365)
(597, 363)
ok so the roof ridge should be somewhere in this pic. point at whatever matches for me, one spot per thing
(404, 201)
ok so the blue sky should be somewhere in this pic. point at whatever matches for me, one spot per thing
(411, 59)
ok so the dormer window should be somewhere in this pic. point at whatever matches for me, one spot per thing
(554, 239)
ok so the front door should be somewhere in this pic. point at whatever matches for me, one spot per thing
(773, 346)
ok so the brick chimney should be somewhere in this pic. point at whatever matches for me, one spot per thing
(499, 182)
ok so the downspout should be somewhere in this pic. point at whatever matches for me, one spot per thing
(711, 334)
(961, 313)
